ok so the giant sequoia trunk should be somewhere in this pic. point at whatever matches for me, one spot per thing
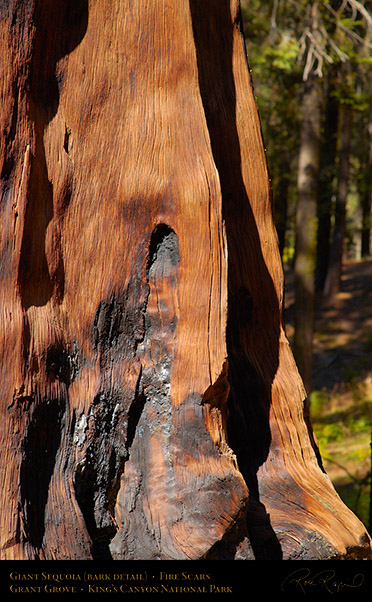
(150, 404)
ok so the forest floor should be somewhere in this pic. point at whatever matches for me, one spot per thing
(341, 397)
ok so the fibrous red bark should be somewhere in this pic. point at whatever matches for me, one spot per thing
(150, 404)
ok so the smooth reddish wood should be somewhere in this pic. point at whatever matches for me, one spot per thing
(151, 406)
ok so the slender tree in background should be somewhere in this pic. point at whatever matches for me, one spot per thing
(327, 178)
(366, 195)
(365, 83)
(306, 227)
(333, 279)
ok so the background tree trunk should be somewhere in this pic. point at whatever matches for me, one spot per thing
(327, 183)
(150, 404)
(281, 208)
(366, 200)
(306, 228)
(333, 280)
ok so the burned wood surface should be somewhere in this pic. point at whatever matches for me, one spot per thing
(150, 404)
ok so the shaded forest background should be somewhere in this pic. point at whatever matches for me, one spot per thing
(311, 67)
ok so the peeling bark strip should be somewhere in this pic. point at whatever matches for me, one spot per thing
(150, 404)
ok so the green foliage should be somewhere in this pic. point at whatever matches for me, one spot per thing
(365, 60)
(337, 427)
(284, 55)
(288, 254)
(359, 100)
(343, 423)
(318, 402)
(331, 432)
(355, 494)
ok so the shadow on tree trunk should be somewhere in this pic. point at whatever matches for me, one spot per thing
(249, 281)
